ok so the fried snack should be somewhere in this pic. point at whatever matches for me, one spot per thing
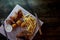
(14, 25)
(8, 21)
(31, 24)
(12, 18)
(15, 15)
(20, 14)
(20, 34)
(23, 24)
(24, 35)
(19, 22)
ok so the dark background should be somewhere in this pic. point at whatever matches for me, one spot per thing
(48, 11)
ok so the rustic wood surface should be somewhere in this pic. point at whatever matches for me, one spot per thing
(51, 26)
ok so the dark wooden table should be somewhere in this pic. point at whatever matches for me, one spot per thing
(51, 26)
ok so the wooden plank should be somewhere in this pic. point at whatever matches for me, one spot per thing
(50, 20)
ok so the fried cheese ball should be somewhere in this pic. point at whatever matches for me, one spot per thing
(23, 24)
(19, 22)
(14, 25)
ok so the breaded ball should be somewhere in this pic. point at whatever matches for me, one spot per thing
(23, 24)
(14, 25)
(19, 22)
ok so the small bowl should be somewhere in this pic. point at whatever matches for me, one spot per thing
(8, 28)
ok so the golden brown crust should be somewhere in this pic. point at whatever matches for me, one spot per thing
(9, 22)
(14, 25)
(19, 22)
(25, 34)
(23, 24)
(20, 14)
